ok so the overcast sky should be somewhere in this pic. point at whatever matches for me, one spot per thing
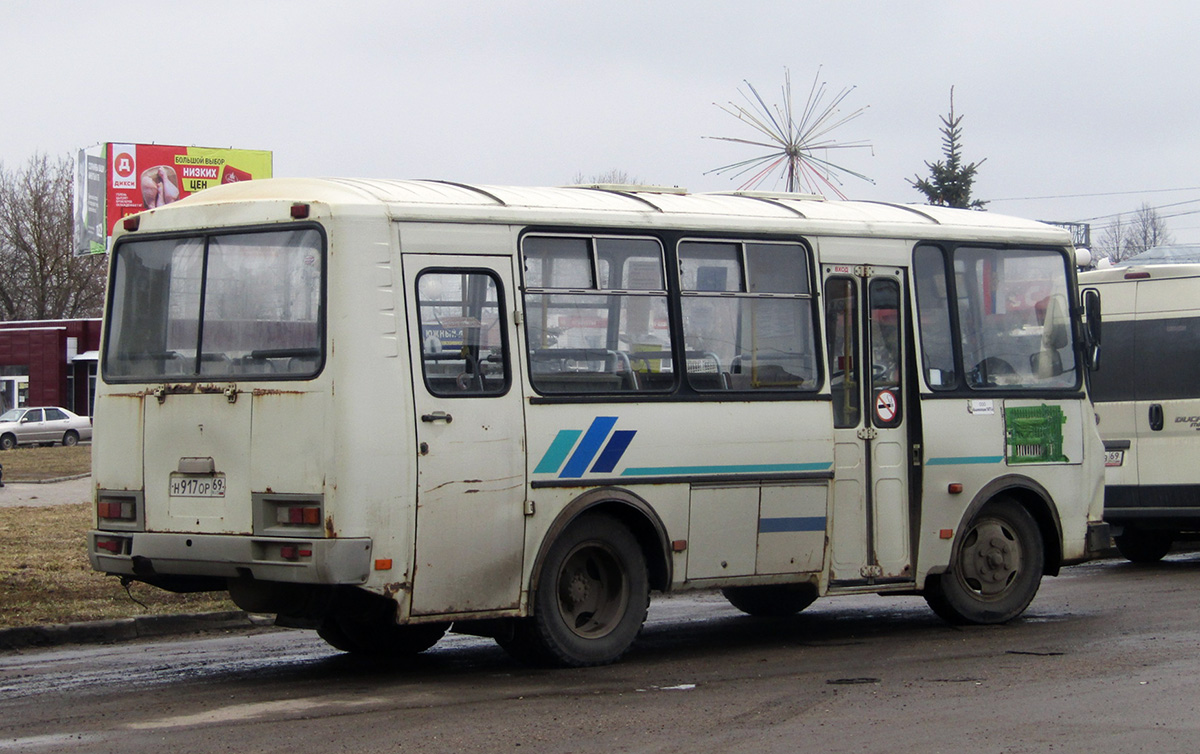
(1081, 110)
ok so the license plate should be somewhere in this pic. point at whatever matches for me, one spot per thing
(1114, 457)
(186, 485)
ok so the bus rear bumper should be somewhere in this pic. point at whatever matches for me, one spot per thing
(145, 555)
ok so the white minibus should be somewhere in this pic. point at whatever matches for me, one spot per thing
(385, 409)
(1148, 398)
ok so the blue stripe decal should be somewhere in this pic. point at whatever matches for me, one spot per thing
(963, 460)
(797, 523)
(588, 446)
(613, 451)
(563, 442)
(753, 468)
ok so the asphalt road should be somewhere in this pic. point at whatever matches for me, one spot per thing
(1105, 660)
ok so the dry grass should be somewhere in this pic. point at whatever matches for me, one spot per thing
(34, 464)
(45, 576)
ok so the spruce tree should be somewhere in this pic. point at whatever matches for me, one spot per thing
(949, 181)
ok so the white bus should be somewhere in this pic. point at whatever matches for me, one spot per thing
(382, 408)
(1148, 398)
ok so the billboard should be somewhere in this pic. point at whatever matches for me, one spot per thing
(116, 180)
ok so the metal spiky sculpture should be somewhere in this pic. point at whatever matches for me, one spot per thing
(792, 144)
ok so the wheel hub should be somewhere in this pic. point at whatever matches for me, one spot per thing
(591, 592)
(579, 588)
(991, 558)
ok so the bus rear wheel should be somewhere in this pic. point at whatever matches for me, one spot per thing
(591, 599)
(1139, 546)
(391, 641)
(771, 601)
(996, 568)
(365, 624)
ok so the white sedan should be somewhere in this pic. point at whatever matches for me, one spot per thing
(43, 426)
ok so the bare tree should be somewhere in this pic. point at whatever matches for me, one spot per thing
(1122, 240)
(1149, 229)
(613, 176)
(1114, 240)
(40, 276)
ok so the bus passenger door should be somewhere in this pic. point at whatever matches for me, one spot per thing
(469, 434)
(866, 331)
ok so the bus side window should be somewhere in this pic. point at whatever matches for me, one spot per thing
(596, 317)
(463, 349)
(841, 316)
(933, 309)
(886, 357)
(748, 316)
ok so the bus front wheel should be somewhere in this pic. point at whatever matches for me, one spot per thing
(591, 599)
(996, 568)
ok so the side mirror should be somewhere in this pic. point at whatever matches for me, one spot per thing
(1091, 328)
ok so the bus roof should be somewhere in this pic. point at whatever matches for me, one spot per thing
(640, 206)
(1135, 272)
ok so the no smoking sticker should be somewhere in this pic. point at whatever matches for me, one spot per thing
(885, 406)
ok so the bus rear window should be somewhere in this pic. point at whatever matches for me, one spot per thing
(211, 306)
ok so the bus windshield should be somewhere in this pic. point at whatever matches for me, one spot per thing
(1011, 313)
(244, 305)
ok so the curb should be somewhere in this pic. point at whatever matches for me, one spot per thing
(127, 629)
(46, 481)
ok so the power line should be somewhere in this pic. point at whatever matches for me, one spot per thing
(1162, 206)
(1083, 196)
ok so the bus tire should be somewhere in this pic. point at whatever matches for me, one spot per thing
(331, 631)
(384, 640)
(1140, 546)
(365, 624)
(995, 570)
(772, 600)
(591, 600)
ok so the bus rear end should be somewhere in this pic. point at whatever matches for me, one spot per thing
(210, 461)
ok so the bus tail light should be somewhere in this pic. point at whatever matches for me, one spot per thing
(113, 545)
(302, 515)
(290, 515)
(295, 552)
(121, 510)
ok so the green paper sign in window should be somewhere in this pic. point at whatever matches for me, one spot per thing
(1035, 434)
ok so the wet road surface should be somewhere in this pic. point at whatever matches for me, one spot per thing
(1105, 660)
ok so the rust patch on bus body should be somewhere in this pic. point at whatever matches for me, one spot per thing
(329, 531)
(394, 588)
